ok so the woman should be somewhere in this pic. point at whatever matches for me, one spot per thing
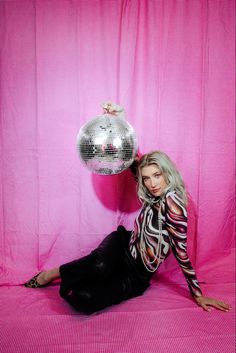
(124, 263)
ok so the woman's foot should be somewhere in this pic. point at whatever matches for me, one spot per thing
(43, 278)
(36, 281)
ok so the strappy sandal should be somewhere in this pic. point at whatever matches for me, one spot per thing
(33, 283)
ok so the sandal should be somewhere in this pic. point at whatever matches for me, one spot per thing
(33, 283)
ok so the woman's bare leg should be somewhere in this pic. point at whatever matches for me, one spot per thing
(48, 276)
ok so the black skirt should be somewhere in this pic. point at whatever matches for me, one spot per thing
(107, 276)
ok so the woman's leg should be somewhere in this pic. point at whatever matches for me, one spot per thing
(93, 297)
(96, 296)
(43, 278)
(48, 276)
(100, 263)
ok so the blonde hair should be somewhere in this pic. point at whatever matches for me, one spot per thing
(172, 177)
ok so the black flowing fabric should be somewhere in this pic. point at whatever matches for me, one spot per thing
(108, 275)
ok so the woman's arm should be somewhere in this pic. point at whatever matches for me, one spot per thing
(176, 218)
(176, 222)
(134, 166)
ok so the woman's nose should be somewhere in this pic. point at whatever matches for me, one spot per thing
(153, 182)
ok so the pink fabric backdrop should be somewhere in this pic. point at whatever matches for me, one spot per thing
(170, 64)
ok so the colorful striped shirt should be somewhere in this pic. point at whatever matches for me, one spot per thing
(159, 227)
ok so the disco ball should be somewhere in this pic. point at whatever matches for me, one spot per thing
(107, 144)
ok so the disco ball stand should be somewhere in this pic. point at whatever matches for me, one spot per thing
(107, 144)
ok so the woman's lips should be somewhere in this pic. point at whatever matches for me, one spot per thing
(155, 190)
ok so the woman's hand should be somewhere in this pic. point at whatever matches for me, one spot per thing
(206, 303)
(113, 109)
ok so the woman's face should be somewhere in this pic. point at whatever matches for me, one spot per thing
(154, 180)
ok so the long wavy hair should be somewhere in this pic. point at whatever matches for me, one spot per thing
(171, 175)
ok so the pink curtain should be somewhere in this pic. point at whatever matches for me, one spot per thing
(169, 63)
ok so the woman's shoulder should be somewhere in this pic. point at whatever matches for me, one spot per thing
(174, 201)
(172, 194)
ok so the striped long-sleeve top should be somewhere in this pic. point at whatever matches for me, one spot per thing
(159, 227)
